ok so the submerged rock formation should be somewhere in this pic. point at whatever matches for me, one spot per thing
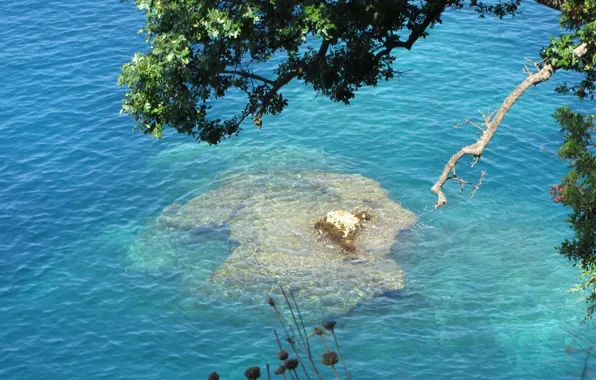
(271, 217)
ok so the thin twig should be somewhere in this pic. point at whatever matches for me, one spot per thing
(476, 187)
(577, 343)
(476, 159)
(536, 64)
(586, 337)
(468, 121)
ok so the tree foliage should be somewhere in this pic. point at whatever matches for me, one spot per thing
(200, 50)
(578, 192)
(577, 189)
(578, 21)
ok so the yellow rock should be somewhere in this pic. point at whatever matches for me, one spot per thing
(344, 221)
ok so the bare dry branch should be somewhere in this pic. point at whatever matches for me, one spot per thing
(468, 121)
(476, 187)
(492, 122)
(463, 182)
(536, 64)
(487, 117)
(526, 70)
(476, 159)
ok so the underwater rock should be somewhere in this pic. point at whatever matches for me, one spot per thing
(271, 216)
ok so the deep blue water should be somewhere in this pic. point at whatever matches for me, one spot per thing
(485, 288)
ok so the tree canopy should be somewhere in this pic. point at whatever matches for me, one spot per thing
(201, 50)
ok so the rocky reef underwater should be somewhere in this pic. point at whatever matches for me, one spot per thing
(274, 224)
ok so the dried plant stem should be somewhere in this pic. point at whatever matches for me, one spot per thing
(335, 372)
(302, 337)
(302, 364)
(327, 350)
(293, 342)
(303, 341)
(268, 373)
(295, 352)
(341, 357)
(278, 341)
(301, 321)
(314, 367)
(324, 344)
(281, 320)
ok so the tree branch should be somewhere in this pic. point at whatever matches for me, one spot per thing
(281, 81)
(246, 74)
(322, 50)
(432, 15)
(492, 123)
(284, 79)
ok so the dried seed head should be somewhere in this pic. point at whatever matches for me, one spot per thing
(282, 355)
(271, 302)
(252, 373)
(329, 358)
(280, 370)
(290, 340)
(319, 331)
(291, 363)
(329, 325)
(213, 376)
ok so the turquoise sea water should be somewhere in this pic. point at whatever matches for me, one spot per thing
(485, 287)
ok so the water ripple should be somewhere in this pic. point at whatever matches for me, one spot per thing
(484, 294)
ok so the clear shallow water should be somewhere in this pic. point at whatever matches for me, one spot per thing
(485, 287)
